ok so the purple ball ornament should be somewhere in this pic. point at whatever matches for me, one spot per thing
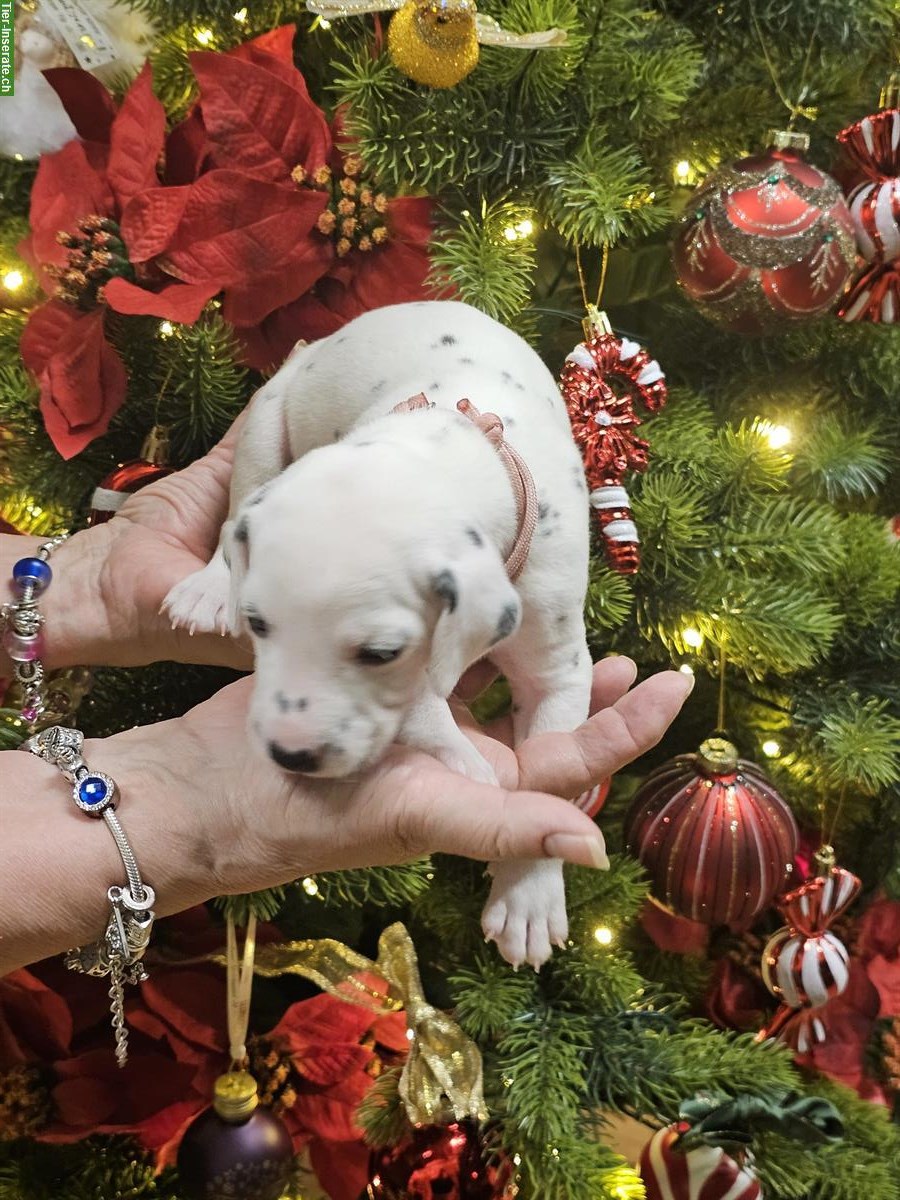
(235, 1148)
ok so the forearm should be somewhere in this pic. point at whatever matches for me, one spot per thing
(57, 862)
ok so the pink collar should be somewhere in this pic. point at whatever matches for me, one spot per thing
(520, 477)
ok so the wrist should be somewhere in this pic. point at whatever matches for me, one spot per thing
(171, 829)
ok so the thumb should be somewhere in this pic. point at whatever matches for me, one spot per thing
(438, 810)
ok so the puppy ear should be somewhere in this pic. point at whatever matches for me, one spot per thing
(480, 607)
(236, 548)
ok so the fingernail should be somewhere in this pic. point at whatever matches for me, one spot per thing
(574, 848)
(690, 680)
(634, 671)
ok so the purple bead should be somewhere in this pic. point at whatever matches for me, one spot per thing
(22, 649)
(32, 572)
(29, 713)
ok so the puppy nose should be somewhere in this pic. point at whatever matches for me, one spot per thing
(295, 760)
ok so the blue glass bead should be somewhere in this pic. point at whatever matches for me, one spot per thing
(33, 571)
(92, 790)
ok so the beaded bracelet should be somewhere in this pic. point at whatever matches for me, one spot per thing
(119, 952)
(22, 620)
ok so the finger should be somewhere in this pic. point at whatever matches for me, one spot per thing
(612, 678)
(479, 676)
(434, 809)
(569, 764)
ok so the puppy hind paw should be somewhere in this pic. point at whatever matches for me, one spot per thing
(531, 897)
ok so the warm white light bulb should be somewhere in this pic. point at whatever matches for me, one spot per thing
(13, 280)
(692, 637)
(683, 169)
(778, 436)
(603, 934)
(771, 748)
(203, 36)
(310, 886)
(166, 328)
(511, 233)
(686, 669)
(241, 15)
(525, 228)
(323, 24)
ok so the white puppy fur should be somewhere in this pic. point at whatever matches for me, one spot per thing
(366, 552)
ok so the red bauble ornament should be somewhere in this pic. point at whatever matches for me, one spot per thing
(440, 1162)
(235, 1148)
(670, 1173)
(766, 240)
(874, 145)
(601, 380)
(112, 491)
(715, 836)
(804, 964)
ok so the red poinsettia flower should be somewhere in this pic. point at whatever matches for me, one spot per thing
(82, 193)
(365, 251)
(334, 1050)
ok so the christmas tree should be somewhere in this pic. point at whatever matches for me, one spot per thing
(373, 159)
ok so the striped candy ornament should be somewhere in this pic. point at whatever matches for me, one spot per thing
(804, 964)
(874, 145)
(604, 423)
(716, 838)
(592, 801)
(701, 1173)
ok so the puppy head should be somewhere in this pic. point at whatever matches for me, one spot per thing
(358, 598)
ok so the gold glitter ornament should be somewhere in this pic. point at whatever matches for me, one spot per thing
(434, 41)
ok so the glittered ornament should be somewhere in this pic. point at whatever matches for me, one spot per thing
(111, 492)
(716, 838)
(671, 1172)
(874, 146)
(440, 1162)
(601, 380)
(765, 240)
(435, 42)
(235, 1148)
(804, 964)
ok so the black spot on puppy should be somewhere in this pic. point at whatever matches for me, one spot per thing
(338, 434)
(258, 494)
(506, 622)
(448, 340)
(445, 585)
(241, 532)
(506, 377)
(562, 618)
(543, 511)
(433, 387)
(474, 537)
(466, 362)
(576, 658)
(379, 387)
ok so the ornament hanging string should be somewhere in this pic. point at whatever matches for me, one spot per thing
(239, 986)
(604, 263)
(837, 815)
(723, 662)
(808, 112)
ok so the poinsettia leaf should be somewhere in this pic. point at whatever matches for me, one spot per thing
(186, 149)
(234, 225)
(257, 120)
(136, 139)
(89, 105)
(34, 1020)
(181, 302)
(278, 43)
(82, 386)
(328, 1064)
(344, 1164)
(150, 220)
(45, 329)
(250, 300)
(267, 345)
(411, 219)
(66, 188)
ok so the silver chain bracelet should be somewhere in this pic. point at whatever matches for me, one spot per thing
(119, 952)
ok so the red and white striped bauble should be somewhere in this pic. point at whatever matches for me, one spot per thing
(804, 964)
(701, 1173)
(874, 145)
(715, 837)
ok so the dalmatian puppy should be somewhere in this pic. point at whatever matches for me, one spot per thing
(365, 549)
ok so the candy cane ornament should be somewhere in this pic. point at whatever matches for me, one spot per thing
(601, 380)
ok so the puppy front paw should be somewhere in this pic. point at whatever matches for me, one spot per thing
(466, 760)
(199, 603)
(525, 912)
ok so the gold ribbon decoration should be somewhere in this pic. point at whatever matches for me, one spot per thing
(442, 1077)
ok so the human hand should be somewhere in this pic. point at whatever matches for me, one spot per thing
(256, 827)
(114, 577)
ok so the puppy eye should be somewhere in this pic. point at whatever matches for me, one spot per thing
(257, 624)
(373, 656)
